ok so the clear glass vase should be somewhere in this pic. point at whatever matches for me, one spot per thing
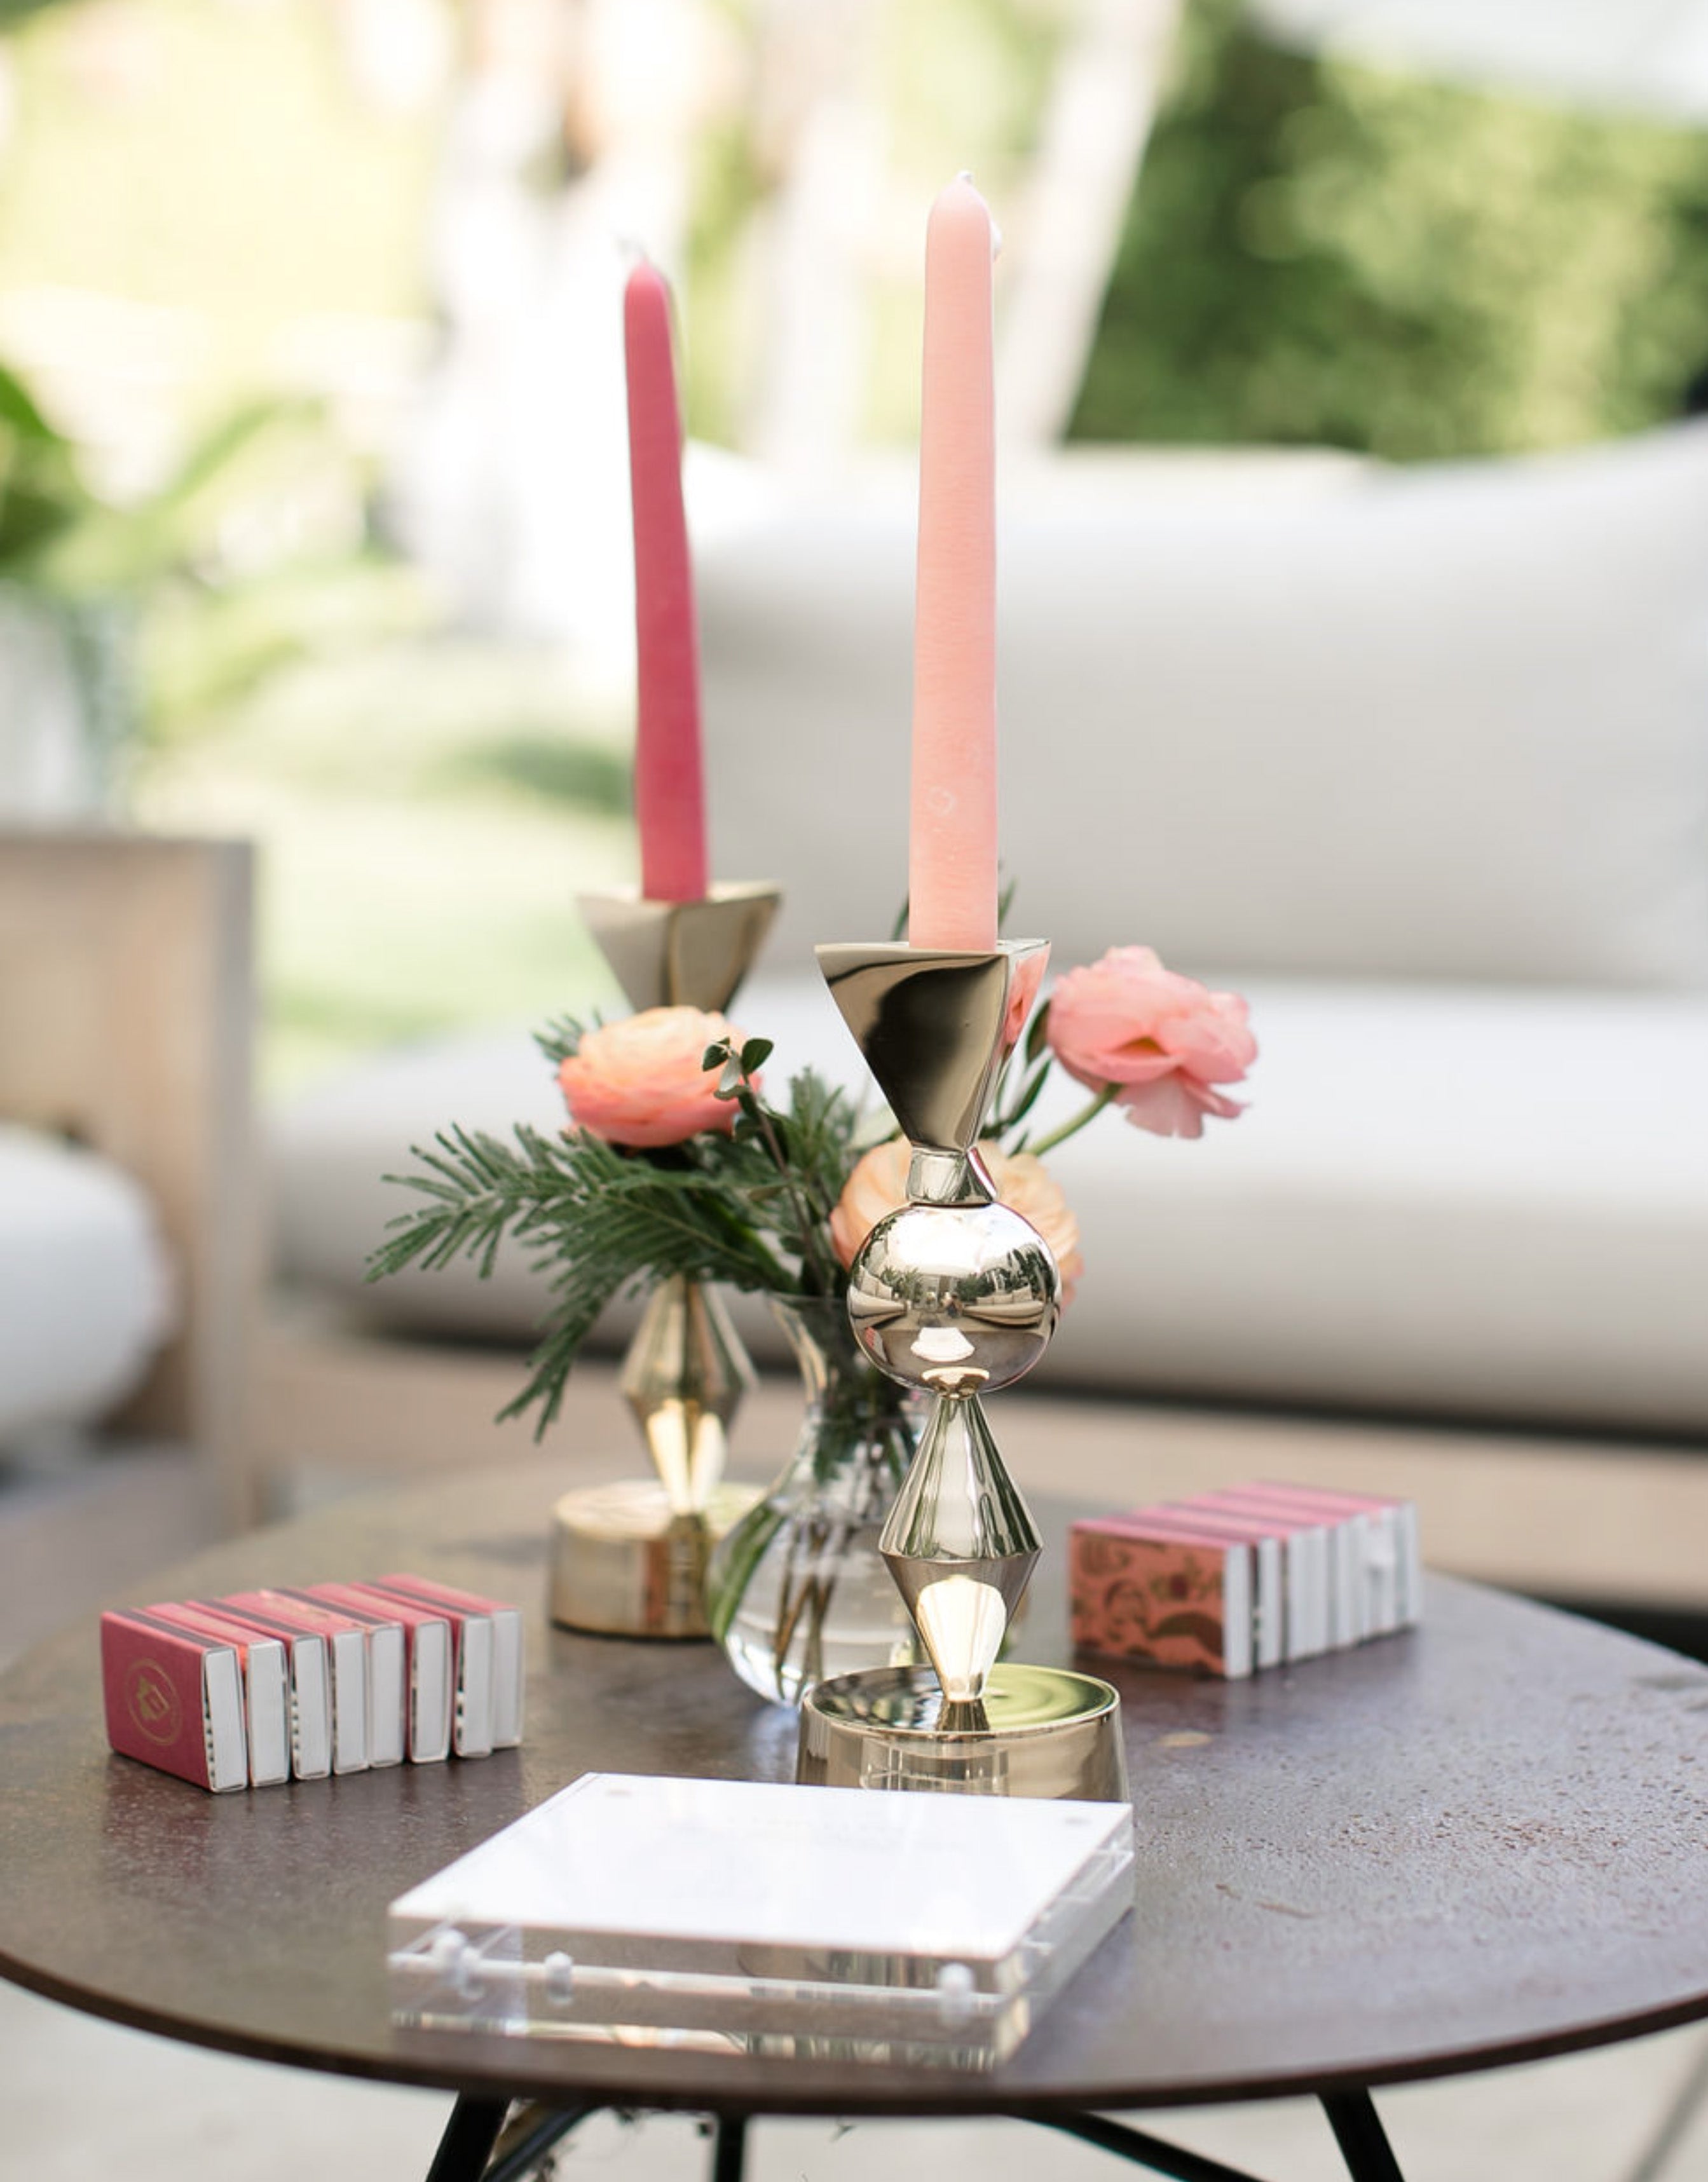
(797, 1592)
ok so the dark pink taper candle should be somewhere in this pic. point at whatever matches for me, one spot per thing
(669, 774)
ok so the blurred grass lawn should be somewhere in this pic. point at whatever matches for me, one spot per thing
(426, 813)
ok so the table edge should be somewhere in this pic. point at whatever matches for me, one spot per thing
(933, 2097)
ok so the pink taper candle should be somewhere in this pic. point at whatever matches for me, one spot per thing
(669, 785)
(952, 846)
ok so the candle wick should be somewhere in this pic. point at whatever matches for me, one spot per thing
(633, 253)
(966, 175)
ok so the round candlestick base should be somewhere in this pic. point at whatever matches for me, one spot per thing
(623, 1564)
(1040, 1731)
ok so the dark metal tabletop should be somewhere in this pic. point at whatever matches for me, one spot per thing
(1480, 1841)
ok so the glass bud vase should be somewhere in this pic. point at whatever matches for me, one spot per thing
(797, 1592)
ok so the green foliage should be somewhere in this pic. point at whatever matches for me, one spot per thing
(55, 534)
(212, 640)
(749, 1210)
(590, 776)
(102, 550)
(560, 1039)
(41, 494)
(1324, 253)
(593, 1217)
(216, 597)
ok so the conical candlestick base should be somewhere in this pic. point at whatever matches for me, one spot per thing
(684, 1378)
(681, 954)
(961, 1545)
(935, 1026)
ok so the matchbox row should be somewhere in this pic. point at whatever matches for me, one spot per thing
(270, 1686)
(1250, 1577)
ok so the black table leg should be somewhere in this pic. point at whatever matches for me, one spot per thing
(477, 2146)
(728, 2147)
(465, 2152)
(470, 2136)
(1141, 2149)
(531, 2136)
(1361, 2138)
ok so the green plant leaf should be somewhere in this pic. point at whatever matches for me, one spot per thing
(1030, 1092)
(560, 1039)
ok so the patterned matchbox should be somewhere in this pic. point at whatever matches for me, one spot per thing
(1182, 1599)
(1250, 1576)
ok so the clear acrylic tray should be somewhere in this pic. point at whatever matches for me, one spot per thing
(760, 1918)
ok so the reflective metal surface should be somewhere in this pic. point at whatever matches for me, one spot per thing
(958, 1299)
(681, 954)
(625, 1563)
(961, 1546)
(684, 1378)
(953, 1293)
(935, 1026)
(686, 1371)
(1039, 1732)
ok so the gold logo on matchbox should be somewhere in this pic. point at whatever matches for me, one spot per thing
(152, 1701)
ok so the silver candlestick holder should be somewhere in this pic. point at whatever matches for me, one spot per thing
(628, 1558)
(958, 1295)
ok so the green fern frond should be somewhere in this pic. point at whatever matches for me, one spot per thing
(560, 1039)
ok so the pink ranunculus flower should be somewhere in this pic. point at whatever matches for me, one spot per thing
(1163, 1041)
(879, 1185)
(639, 1082)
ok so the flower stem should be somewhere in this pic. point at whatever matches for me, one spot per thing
(813, 1269)
(1072, 1127)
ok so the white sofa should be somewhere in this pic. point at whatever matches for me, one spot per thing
(1418, 760)
(90, 1289)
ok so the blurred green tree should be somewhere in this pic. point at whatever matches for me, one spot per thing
(1322, 254)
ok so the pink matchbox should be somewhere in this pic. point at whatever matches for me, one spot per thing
(471, 1663)
(509, 1663)
(1182, 1598)
(174, 1699)
(346, 1647)
(428, 1662)
(266, 1692)
(1393, 1563)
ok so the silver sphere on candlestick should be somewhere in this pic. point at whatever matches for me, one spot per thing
(956, 1298)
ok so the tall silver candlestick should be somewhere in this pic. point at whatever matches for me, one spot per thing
(957, 1294)
(629, 1558)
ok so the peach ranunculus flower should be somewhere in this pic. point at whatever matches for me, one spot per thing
(879, 1185)
(1164, 1042)
(639, 1082)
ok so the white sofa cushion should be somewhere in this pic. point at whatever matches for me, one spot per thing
(1450, 722)
(1449, 1200)
(86, 1290)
